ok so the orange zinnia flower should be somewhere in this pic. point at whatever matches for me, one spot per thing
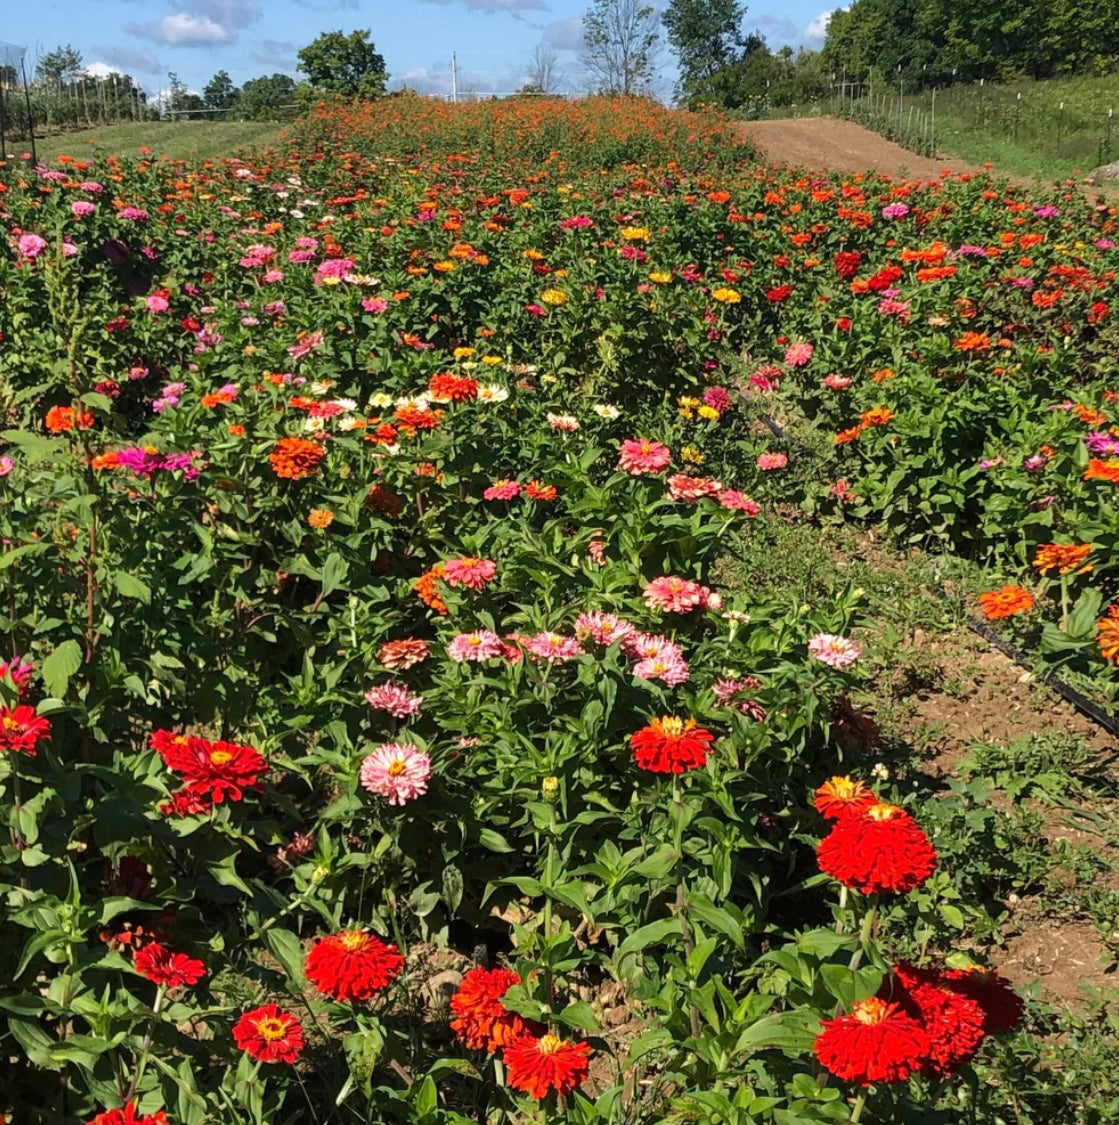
(1006, 602)
(1102, 470)
(320, 518)
(1107, 630)
(879, 416)
(296, 458)
(1062, 557)
(840, 795)
(973, 342)
(845, 436)
(60, 419)
(428, 592)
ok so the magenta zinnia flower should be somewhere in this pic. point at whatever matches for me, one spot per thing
(31, 245)
(641, 455)
(396, 699)
(396, 771)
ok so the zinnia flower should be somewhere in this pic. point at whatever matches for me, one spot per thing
(876, 1042)
(481, 1021)
(396, 771)
(691, 489)
(1006, 602)
(129, 1115)
(218, 769)
(296, 458)
(602, 628)
(1062, 557)
(839, 796)
(1002, 1007)
(163, 967)
(836, 652)
(641, 455)
(396, 699)
(553, 647)
(799, 354)
(402, 654)
(352, 965)
(269, 1034)
(468, 571)
(22, 730)
(671, 745)
(767, 462)
(1107, 634)
(538, 1066)
(953, 1022)
(675, 595)
(735, 501)
(504, 489)
(877, 848)
(478, 646)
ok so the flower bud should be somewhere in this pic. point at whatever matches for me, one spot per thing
(549, 788)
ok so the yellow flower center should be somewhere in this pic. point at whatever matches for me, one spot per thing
(220, 757)
(672, 726)
(271, 1028)
(396, 767)
(353, 939)
(872, 1010)
(549, 1044)
(10, 723)
(882, 811)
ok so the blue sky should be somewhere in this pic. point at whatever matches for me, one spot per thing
(493, 39)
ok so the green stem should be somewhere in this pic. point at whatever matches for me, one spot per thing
(681, 891)
(145, 1047)
(857, 1110)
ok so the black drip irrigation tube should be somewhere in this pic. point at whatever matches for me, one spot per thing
(1019, 655)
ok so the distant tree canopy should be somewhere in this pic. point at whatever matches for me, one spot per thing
(933, 41)
(346, 65)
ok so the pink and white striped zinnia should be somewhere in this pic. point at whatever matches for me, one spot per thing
(676, 595)
(553, 647)
(396, 771)
(479, 646)
(834, 651)
(396, 699)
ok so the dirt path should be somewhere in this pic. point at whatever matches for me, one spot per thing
(830, 144)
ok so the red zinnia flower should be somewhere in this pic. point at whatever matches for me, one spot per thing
(161, 966)
(22, 729)
(839, 796)
(879, 848)
(877, 1042)
(129, 1115)
(1002, 1007)
(548, 1063)
(953, 1021)
(352, 965)
(671, 745)
(269, 1034)
(218, 769)
(481, 1021)
(452, 388)
(534, 490)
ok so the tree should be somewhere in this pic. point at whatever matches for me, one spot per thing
(346, 65)
(60, 65)
(620, 38)
(220, 93)
(543, 74)
(267, 97)
(707, 38)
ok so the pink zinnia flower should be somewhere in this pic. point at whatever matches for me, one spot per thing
(82, 207)
(566, 423)
(669, 667)
(718, 399)
(799, 354)
(553, 647)
(683, 487)
(374, 304)
(502, 490)
(469, 571)
(596, 551)
(738, 502)
(31, 245)
(835, 651)
(835, 382)
(766, 378)
(157, 303)
(479, 646)
(396, 771)
(645, 646)
(602, 628)
(675, 595)
(396, 699)
(307, 345)
(641, 455)
(768, 461)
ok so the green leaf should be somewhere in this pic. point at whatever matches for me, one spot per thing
(333, 573)
(130, 586)
(60, 666)
(783, 1031)
(652, 934)
(285, 947)
(579, 1015)
(452, 887)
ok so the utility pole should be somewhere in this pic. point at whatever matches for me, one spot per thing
(454, 79)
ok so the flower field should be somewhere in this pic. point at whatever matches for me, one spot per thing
(370, 708)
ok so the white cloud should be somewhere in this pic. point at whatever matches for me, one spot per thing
(101, 70)
(511, 6)
(129, 61)
(182, 30)
(565, 35)
(817, 30)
